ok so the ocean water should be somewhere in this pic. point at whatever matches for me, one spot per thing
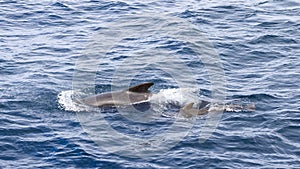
(221, 51)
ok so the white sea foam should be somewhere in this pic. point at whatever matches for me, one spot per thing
(67, 102)
(177, 96)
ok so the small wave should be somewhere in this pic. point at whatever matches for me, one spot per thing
(259, 96)
(270, 38)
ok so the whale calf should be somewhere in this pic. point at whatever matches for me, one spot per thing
(189, 111)
(132, 95)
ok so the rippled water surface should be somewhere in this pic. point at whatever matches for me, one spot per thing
(43, 44)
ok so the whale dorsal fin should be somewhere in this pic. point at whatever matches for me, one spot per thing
(141, 88)
(188, 106)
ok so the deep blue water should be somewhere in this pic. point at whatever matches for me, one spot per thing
(42, 45)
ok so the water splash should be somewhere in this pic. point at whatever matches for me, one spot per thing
(175, 96)
(67, 101)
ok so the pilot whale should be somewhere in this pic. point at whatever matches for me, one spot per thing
(189, 111)
(132, 95)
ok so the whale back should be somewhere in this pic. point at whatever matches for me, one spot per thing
(128, 96)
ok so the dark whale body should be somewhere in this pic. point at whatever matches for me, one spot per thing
(132, 95)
